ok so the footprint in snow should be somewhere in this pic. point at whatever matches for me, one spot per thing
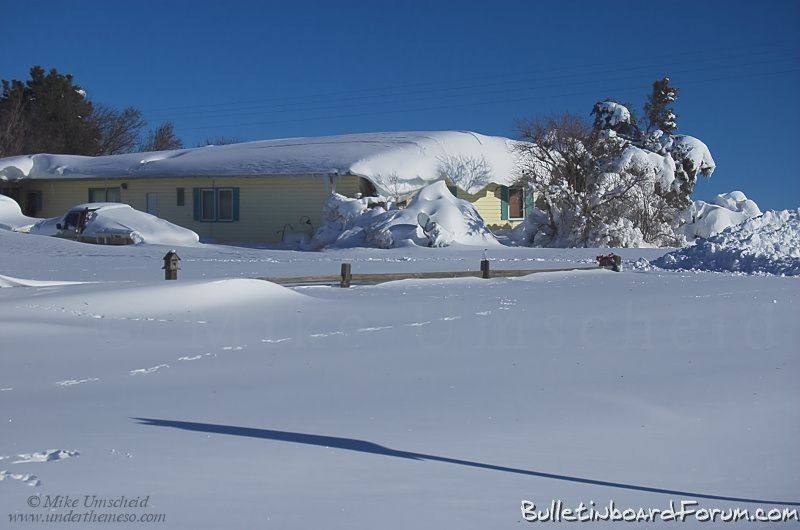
(45, 456)
(143, 371)
(71, 382)
(25, 478)
(328, 334)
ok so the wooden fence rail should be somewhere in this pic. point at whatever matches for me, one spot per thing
(346, 278)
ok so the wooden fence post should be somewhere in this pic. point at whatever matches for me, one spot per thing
(346, 275)
(485, 269)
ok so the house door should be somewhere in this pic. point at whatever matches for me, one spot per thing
(152, 203)
(32, 201)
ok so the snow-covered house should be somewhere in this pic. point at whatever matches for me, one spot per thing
(259, 191)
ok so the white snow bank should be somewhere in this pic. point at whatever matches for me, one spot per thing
(350, 223)
(767, 244)
(11, 217)
(728, 209)
(178, 297)
(404, 160)
(8, 281)
(115, 218)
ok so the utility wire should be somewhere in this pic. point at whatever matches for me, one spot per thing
(505, 90)
(482, 103)
(580, 70)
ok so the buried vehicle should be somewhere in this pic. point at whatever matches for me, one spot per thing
(109, 223)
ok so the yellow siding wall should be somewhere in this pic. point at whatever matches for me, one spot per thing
(266, 204)
(487, 202)
(347, 185)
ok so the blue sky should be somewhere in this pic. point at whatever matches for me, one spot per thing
(257, 70)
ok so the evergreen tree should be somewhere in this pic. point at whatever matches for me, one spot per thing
(49, 113)
(55, 114)
(658, 109)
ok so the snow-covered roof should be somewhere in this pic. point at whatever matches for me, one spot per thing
(407, 160)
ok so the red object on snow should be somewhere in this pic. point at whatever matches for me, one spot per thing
(610, 260)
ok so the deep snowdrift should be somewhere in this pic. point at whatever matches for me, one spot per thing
(767, 244)
(351, 223)
(114, 218)
(728, 209)
(11, 217)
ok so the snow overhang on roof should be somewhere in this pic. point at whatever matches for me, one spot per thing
(395, 162)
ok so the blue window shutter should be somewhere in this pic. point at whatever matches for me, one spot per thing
(235, 204)
(196, 194)
(528, 201)
(504, 203)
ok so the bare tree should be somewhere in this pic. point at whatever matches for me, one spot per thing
(162, 138)
(395, 186)
(466, 172)
(12, 123)
(119, 131)
(219, 140)
(573, 167)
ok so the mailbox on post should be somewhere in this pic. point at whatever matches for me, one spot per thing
(171, 267)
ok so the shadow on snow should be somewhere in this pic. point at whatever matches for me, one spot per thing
(363, 446)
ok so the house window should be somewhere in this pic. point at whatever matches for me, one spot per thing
(216, 204)
(516, 201)
(225, 204)
(181, 194)
(207, 212)
(105, 194)
(513, 203)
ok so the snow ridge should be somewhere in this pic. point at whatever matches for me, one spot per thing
(768, 244)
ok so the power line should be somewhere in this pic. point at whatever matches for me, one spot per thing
(580, 68)
(506, 89)
(475, 104)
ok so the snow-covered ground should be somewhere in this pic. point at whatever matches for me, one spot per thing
(236, 403)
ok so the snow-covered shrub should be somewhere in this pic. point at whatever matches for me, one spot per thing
(610, 115)
(350, 222)
(340, 218)
(769, 243)
(598, 186)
